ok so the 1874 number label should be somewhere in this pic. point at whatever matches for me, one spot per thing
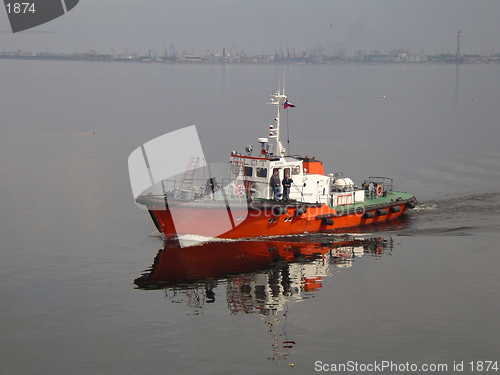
(20, 7)
(25, 14)
(483, 366)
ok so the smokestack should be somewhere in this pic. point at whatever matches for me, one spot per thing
(458, 47)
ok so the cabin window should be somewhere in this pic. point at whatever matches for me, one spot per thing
(261, 172)
(249, 171)
(296, 169)
(286, 171)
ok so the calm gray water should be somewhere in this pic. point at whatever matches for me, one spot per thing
(74, 245)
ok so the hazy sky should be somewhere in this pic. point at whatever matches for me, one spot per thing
(256, 26)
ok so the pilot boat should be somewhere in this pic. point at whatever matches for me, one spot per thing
(246, 205)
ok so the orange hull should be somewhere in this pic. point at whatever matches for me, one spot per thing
(242, 221)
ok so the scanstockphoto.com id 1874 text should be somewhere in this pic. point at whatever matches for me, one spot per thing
(485, 366)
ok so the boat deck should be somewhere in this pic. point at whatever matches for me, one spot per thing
(392, 198)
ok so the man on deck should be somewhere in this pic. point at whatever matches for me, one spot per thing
(275, 184)
(287, 183)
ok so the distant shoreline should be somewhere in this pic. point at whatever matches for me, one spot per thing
(192, 59)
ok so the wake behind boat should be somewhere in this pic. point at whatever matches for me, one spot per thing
(270, 194)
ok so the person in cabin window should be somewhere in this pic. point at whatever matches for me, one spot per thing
(287, 183)
(275, 184)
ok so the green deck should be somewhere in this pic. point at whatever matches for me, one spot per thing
(392, 198)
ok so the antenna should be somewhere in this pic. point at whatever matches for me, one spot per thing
(283, 82)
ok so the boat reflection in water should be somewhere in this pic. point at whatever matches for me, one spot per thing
(258, 276)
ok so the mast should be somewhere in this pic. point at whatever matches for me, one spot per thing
(278, 99)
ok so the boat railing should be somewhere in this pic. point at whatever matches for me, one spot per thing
(199, 189)
(386, 182)
(172, 188)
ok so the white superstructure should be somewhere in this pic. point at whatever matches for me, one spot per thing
(310, 184)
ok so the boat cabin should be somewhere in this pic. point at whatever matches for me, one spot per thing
(252, 175)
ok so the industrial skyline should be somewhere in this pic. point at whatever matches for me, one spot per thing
(232, 55)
